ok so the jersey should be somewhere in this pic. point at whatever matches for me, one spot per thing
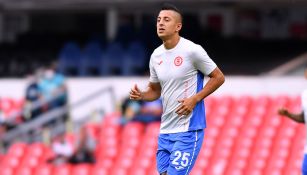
(180, 72)
(304, 107)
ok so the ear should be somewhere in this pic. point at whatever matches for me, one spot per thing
(178, 27)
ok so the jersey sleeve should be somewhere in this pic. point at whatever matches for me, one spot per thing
(153, 75)
(202, 61)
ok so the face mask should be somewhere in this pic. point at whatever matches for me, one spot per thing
(49, 74)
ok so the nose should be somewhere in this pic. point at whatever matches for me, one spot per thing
(160, 23)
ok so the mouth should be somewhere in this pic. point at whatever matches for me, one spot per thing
(161, 29)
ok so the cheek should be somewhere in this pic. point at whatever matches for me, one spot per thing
(171, 27)
(174, 28)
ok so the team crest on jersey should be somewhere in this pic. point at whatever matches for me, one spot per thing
(178, 61)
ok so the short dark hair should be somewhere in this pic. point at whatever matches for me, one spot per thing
(169, 6)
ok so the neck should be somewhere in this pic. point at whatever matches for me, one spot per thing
(171, 42)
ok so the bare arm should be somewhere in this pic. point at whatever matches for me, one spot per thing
(216, 80)
(296, 117)
(153, 92)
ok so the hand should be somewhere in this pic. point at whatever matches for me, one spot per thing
(283, 111)
(186, 106)
(135, 93)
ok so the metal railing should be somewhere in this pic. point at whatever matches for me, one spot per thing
(33, 129)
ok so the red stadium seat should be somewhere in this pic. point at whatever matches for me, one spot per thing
(62, 170)
(23, 170)
(1, 158)
(107, 152)
(235, 171)
(201, 163)
(47, 155)
(44, 169)
(137, 171)
(143, 162)
(153, 171)
(5, 170)
(82, 169)
(100, 170)
(149, 141)
(109, 141)
(6, 104)
(119, 171)
(36, 150)
(153, 129)
(133, 129)
(128, 152)
(105, 163)
(19, 103)
(109, 132)
(30, 161)
(217, 165)
(17, 149)
(197, 171)
(131, 142)
(293, 171)
(123, 162)
(11, 161)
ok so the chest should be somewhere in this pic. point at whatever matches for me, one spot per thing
(173, 66)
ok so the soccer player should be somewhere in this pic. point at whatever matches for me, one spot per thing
(177, 70)
(300, 118)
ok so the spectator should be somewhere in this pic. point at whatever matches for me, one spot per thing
(150, 112)
(53, 88)
(80, 151)
(32, 95)
(6, 123)
(63, 150)
(129, 110)
(2, 126)
(145, 112)
(85, 149)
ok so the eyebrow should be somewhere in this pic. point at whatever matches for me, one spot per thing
(163, 17)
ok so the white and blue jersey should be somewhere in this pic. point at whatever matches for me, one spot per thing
(180, 72)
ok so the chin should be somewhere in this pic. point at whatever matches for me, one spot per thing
(162, 36)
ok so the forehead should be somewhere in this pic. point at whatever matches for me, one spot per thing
(167, 13)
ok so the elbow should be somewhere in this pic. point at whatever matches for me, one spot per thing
(218, 76)
(221, 79)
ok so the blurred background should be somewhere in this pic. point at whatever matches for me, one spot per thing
(66, 68)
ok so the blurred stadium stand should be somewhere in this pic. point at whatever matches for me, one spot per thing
(236, 34)
(296, 66)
